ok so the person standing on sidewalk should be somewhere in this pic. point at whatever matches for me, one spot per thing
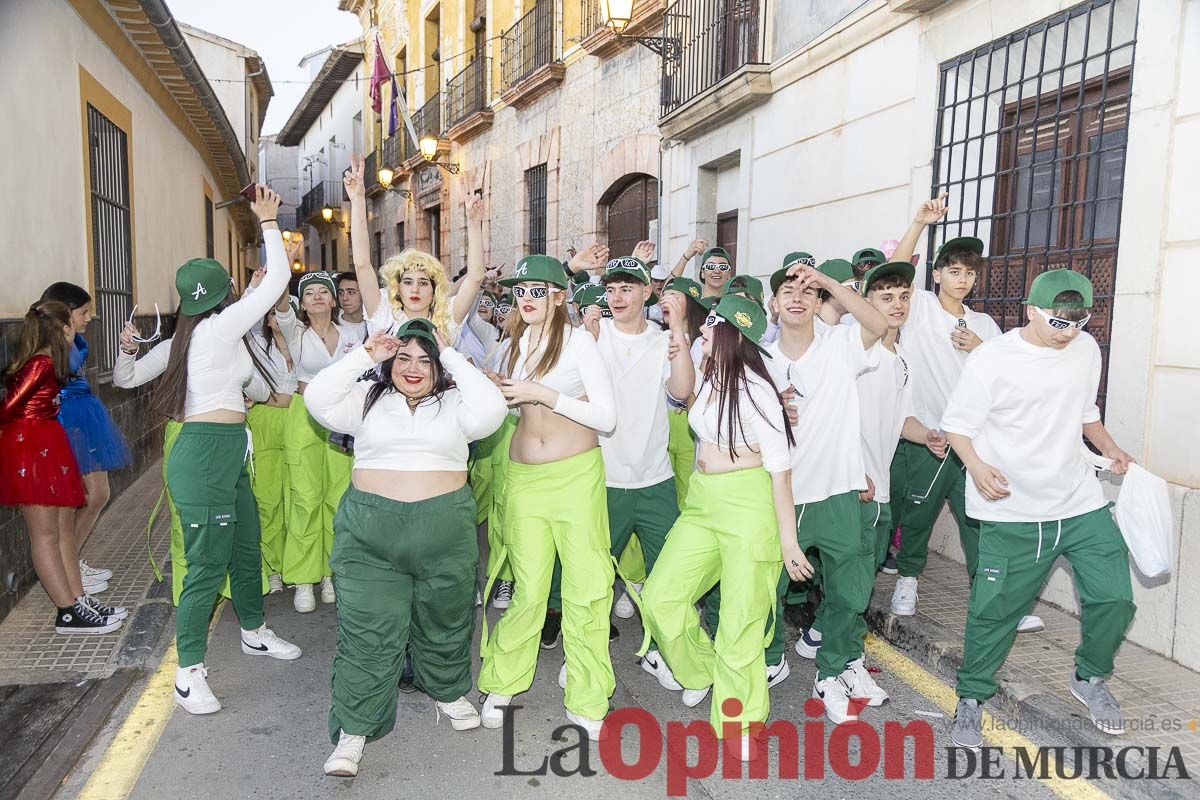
(38, 473)
(210, 360)
(97, 442)
(1017, 418)
(555, 501)
(405, 553)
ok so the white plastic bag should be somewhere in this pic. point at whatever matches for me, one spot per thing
(1143, 513)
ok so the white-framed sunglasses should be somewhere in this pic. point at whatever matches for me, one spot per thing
(154, 337)
(713, 320)
(606, 313)
(718, 266)
(536, 292)
(485, 303)
(1060, 324)
(504, 309)
(808, 262)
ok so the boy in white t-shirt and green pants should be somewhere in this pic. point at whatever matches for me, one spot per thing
(1017, 419)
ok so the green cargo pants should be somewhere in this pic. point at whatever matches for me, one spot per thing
(929, 483)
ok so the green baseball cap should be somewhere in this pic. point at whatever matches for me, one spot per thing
(318, 278)
(837, 268)
(901, 268)
(628, 265)
(868, 254)
(491, 296)
(202, 283)
(506, 299)
(1049, 284)
(745, 315)
(589, 294)
(687, 286)
(745, 284)
(538, 268)
(789, 261)
(418, 327)
(707, 303)
(960, 243)
(714, 251)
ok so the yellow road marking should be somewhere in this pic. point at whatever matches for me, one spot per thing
(994, 734)
(130, 749)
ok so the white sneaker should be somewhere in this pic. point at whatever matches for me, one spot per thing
(95, 573)
(502, 597)
(656, 665)
(694, 697)
(835, 694)
(94, 585)
(594, 727)
(562, 676)
(264, 642)
(328, 595)
(492, 715)
(778, 673)
(809, 643)
(1030, 623)
(863, 685)
(343, 761)
(274, 583)
(192, 693)
(904, 598)
(463, 716)
(624, 608)
(304, 601)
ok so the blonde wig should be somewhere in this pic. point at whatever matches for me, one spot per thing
(417, 261)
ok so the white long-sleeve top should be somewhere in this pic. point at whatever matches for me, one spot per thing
(309, 355)
(580, 373)
(268, 352)
(432, 438)
(219, 366)
(130, 372)
(761, 415)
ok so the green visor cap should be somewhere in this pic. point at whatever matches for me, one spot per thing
(628, 265)
(960, 243)
(1049, 284)
(745, 284)
(687, 286)
(745, 315)
(901, 268)
(590, 294)
(543, 269)
(317, 278)
(420, 328)
(202, 283)
(714, 251)
(837, 268)
(868, 254)
(789, 261)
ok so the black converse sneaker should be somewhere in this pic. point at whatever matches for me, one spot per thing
(82, 618)
(113, 612)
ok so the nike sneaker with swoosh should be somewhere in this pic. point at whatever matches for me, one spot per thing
(263, 642)
(192, 693)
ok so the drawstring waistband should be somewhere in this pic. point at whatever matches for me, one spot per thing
(1057, 538)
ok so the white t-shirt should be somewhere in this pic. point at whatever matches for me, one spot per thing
(935, 363)
(358, 329)
(635, 453)
(827, 459)
(1024, 408)
(885, 400)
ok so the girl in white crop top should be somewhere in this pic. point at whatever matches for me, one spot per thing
(405, 545)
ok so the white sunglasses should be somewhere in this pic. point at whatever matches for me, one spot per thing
(154, 337)
(1060, 324)
(536, 292)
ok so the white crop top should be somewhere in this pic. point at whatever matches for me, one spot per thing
(761, 429)
(432, 438)
(275, 362)
(308, 351)
(580, 372)
(219, 365)
(130, 372)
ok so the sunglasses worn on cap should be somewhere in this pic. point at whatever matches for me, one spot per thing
(808, 262)
(713, 320)
(719, 267)
(536, 292)
(853, 286)
(1060, 324)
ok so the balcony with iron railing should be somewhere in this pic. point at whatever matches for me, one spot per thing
(322, 194)
(396, 149)
(722, 67)
(467, 113)
(371, 172)
(531, 56)
(599, 40)
(427, 121)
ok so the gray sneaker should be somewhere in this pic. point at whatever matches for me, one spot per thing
(1102, 706)
(967, 730)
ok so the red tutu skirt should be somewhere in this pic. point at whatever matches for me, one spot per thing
(37, 467)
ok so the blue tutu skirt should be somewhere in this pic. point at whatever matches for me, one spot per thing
(96, 440)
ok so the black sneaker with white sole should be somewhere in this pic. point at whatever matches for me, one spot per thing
(113, 612)
(551, 630)
(82, 618)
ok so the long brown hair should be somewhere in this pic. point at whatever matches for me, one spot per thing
(43, 330)
(732, 355)
(516, 328)
(170, 397)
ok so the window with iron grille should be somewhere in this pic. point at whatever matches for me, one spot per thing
(399, 236)
(1031, 137)
(535, 195)
(112, 242)
(324, 266)
(377, 249)
(333, 250)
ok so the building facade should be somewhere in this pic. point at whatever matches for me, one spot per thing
(121, 157)
(1060, 132)
(540, 110)
(279, 168)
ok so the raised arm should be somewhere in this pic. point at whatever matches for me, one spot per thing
(481, 407)
(682, 380)
(129, 371)
(694, 249)
(360, 238)
(930, 212)
(235, 321)
(464, 299)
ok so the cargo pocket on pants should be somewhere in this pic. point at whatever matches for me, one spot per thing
(208, 533)
(987, 590)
